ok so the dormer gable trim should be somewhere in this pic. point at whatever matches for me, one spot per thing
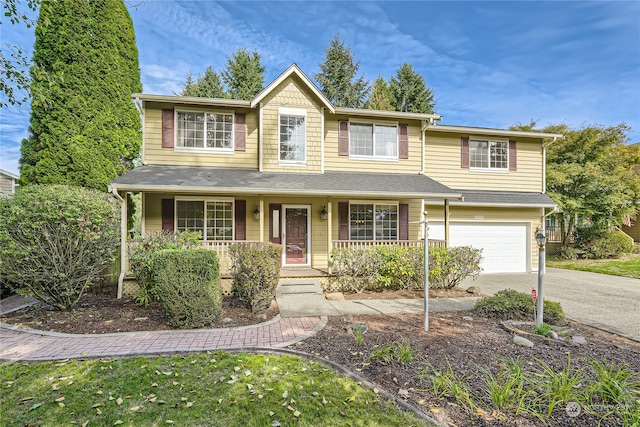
(293, 70)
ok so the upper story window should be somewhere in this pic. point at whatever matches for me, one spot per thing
(212, 218)
(292, 132)
(373, 221)
(204, 130)
(488, 154)
(373, 140)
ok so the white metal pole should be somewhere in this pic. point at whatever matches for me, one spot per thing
(426, 273)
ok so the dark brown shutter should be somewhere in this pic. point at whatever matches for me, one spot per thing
(240, 132)
(464, 153)
(343, 138)
(513, 156)
(403, 140)
(343, 220)
(167, 129)
(240, 219)
(168, 214)
(274, 207)
(403, 221)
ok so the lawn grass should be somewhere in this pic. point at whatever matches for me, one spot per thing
(213, 389)
(627, 266)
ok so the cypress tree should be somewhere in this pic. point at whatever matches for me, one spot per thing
(84, 129)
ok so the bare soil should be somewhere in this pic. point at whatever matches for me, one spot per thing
(466, 345)
(455, 292)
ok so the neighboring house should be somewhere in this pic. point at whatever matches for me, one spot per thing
(7, 182)
(632, 225)
(291, 168)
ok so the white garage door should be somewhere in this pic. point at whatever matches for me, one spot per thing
(504, 245)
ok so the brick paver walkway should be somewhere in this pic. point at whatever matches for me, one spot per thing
(25, 344)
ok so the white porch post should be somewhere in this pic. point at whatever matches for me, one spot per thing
(263, 214)
(123, 243)
(446, 223)
(329, 234)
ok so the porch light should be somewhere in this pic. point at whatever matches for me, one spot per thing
(324, 214)
(541, 239)
(256, 213)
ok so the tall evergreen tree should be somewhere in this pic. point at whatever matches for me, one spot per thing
(244, 74)
(337, 78)
(409, 93)
(380, 96)
(84, 128)
(208, 85)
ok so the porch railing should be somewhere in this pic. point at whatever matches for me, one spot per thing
(221, 248)
(366, 244)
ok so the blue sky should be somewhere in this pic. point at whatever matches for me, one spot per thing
(490, 64)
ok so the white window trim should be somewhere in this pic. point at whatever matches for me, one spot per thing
(488, 169)
(300, 112)
(373, 157)
(375, 203)
(203, 149)
(205, 200)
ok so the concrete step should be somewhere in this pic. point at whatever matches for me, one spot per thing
(299, 287)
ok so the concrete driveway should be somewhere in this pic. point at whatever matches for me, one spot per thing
(608, 302)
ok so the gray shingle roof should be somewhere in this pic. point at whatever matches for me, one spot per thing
(504, 198)
(194, 179)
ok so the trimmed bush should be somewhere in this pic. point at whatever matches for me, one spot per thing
(141, 255)
(256, 271)
(356, 270)
(512, 305)
(56, 240)
(448, 267)
(400, 267)
(188, 285)
(600, 244)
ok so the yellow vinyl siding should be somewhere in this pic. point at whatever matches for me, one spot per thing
(442, 163)
(154, 154)
(334, 162)
(6, 184)
(291, 94)
(532, 216)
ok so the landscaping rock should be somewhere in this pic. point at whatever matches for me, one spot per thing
(334, 296)
(359, 327)
(467, 318)
(578, 339)
(227, 320)
(475, 290)
(518, 340)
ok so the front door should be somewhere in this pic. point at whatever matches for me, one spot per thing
(296, 235)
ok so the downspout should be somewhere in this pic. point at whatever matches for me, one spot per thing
(123, 239)
(140, 107)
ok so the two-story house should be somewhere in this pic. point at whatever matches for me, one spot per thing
(289, 167)
(7, 182)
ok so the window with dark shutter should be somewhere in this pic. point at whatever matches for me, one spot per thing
(240, 219)
(513, 156)
(167, 129)
(168, 214)
(274, 223)
(343, 220)
(240, 132)
(343, 138)
(403, 221)
(464, 153)
(403, 140)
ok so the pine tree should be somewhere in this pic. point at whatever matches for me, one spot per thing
(208, 85)
(84, 128)
(244, 75)
(409, 93)
(337, 78)
(380, 96)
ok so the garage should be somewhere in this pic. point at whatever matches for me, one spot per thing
(505, 247)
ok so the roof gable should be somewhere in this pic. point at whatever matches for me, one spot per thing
(293, 70)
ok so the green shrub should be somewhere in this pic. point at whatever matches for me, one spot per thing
(600, 244)
(448, 267)
(256, 271)
(188, 285)
(400, 267)
(141, 255)
(512, 305)
(356, 269)
(568, 252)
(56, 240)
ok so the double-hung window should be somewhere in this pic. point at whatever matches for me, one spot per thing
(373, 221)
(373, 140)
(488, 154)
(292, 133)
(212, 218)
(204, 130)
